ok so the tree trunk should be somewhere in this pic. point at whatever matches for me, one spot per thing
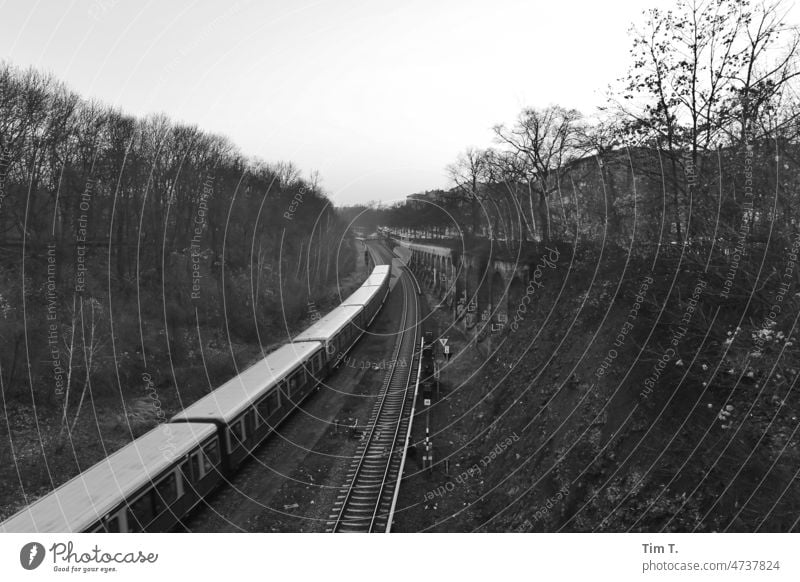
(544, 217)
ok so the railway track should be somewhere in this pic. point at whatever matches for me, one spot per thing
(365, 503)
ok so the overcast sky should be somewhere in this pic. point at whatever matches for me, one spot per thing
(379, 96)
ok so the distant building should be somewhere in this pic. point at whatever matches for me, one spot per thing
(437, 197)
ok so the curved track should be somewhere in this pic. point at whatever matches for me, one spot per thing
(365, 503)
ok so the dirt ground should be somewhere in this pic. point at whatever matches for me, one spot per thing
(529, 436)
(450, 421)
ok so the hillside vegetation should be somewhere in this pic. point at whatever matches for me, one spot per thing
(637, 396)
(142, 262)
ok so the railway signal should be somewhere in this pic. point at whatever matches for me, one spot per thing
(427, 456)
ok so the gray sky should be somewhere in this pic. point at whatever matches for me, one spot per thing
(378, 96)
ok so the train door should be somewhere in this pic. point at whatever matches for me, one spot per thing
(266, 407)
(250, 427)
(335, 344)
(200, 471)
(236, 435)
(273, 402)
(283, 389)
(349, 335)
(319, 375)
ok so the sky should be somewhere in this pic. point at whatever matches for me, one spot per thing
(378, 96)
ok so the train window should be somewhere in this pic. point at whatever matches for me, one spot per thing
(211, 451)
(166, 493)
(263, 409)
(207, 464)
(283, 388)
(237, 432)
(197, 466)
(272, 401)
(140, 513)
(249, 422)
(186, 478)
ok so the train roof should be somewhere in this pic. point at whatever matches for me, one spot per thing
(376, 279)
(362, 296)
(242, 391)
(330, 325)
(379, 269)
(82, 501)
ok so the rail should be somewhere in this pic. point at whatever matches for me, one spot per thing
(390, 518)
(361, 507)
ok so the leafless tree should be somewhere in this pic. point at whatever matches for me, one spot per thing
(547, 141)
(705, 75)
(468, 173)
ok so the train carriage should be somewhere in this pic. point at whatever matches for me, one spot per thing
(147, 485)
(370, 296)
(380, 277)
(247, 408)
(369, 299)
(338, 331)
(376, 279)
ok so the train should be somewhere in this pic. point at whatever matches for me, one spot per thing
(155, 481)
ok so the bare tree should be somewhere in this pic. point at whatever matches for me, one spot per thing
(546, 141)
(85, 319)
(509, 185)
(704, 74)
(287, 173)
(467, 173)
